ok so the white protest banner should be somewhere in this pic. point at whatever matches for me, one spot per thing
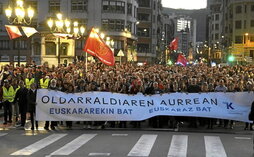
(105, 106)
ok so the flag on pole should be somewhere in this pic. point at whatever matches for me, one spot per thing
(13, 31)
(173, 44)
(97, 47)
(29, 31)
(182, 60)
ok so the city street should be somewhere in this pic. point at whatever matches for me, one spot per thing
(127, 78)
(120, 143)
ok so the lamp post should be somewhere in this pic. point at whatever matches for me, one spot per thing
(65, 28)
(21, 16)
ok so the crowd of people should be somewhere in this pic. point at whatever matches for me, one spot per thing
(19, 84)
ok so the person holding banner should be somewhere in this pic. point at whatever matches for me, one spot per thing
(251, 117)
(52, 86)
(70, 89)
(249, 88)
(31, 99)
(221, 88)
(193, 88)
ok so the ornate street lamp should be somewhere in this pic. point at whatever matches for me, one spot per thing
(21, 16)
(65, 28)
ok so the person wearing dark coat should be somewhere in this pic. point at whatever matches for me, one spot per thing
(31, 99)
(53, 124)
(193, 88)
(70, 89)
(251, 117)
(21, 99)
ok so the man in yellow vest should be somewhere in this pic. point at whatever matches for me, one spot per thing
(29, 80)
(8, 98)
(44, 82)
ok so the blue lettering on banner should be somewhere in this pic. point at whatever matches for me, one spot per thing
(88, 111)
(124, 111)
(229, 105)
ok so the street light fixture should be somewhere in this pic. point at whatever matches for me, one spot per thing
(22, 16)
(65, 27)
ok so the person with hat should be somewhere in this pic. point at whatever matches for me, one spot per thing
(8, 98)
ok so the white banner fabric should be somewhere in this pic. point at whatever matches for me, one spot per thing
(105, 106)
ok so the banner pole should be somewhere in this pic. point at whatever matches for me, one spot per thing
(86, 62)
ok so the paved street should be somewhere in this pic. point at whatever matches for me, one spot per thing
(78, 143)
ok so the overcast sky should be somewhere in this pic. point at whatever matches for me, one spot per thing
(184, 4)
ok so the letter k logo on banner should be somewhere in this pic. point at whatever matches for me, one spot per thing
(229, 105)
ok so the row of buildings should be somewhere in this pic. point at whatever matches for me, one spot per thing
(135, 26)
(231, 29)
(138, 27)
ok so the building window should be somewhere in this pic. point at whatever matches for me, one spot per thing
(154, 5)
(135, 11)
(217, 17)
(143, 32)
(143, 17)
(4, 44)
(143, 48)
(118, 44)
(238, 24)
(113, 6)
(1, 26)
(79, 5)
(129, 9)
(21, 44)
(252, 7)
(54, 6)
(64, 49)
(238, 39)
(238, 9)
(252, 23)
(50, 48)
(251, 38)
(252, 53)
(112, 25)
(216, 36)
(1, 8)
(144, 3)
(216, 26)
(129, 26)
(37, 48)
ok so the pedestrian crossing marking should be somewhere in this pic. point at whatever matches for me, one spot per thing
(99, 154)
(214, 147)
(243, 138)
(144, 146)
(178, 146)
(3, 134)
(39, 145)
(74, 145)
(119, 134)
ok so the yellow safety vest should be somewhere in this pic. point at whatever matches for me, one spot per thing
(8, 94)
(29, 82)
(44, 84)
